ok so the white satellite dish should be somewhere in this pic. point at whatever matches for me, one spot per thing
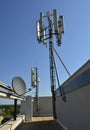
(19, 86)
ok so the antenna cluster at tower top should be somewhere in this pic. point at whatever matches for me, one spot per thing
(56, 25)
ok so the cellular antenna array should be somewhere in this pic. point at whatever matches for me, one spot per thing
(57, 27)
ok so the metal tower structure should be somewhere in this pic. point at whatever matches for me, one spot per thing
(52, 68)
(44, 33)
(35, 84)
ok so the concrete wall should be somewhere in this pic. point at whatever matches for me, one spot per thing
(27, 108)
(45, 106)
(75, 113)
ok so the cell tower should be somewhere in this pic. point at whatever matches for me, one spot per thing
(45, 33)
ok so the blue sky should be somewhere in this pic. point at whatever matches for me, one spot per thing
(19, 48)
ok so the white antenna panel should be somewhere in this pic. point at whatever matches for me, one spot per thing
(38, 30)
(44, 36)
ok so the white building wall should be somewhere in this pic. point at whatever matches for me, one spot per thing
(45, 107)
(27, 108)
(75, 113)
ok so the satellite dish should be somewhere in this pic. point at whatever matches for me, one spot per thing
(19, 86)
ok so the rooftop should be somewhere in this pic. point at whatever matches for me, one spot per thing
(41, 123)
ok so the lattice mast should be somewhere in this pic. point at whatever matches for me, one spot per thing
(44, 33)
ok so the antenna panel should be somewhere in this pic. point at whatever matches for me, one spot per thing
(62, 24)
(48, 14)
(44, 36)
(33, 77)
(38, 30)
(41, 21)
(55, 20)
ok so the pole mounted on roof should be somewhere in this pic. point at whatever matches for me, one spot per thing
(55, 27)
(35, 84)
